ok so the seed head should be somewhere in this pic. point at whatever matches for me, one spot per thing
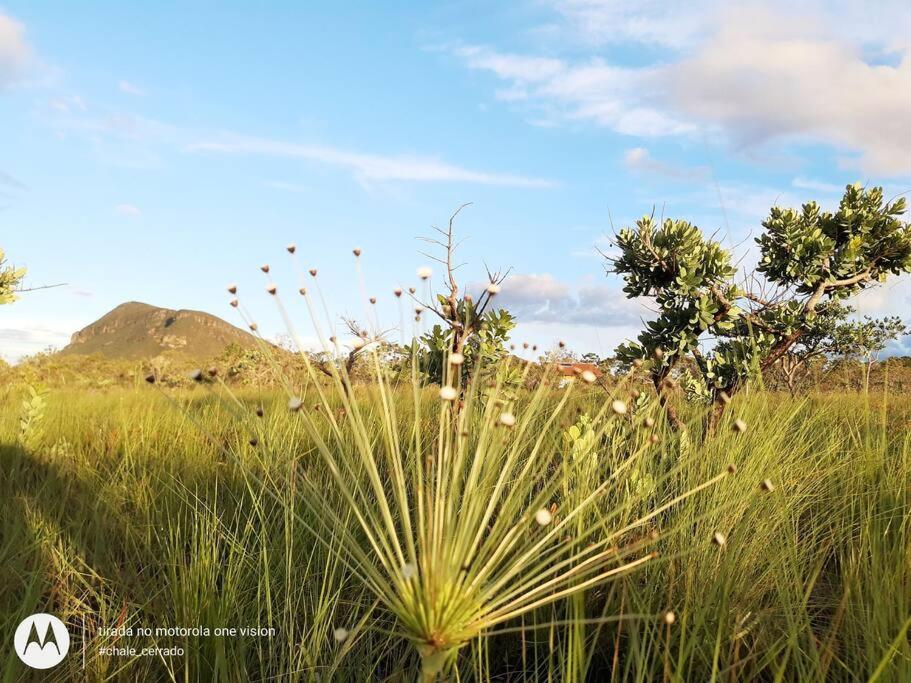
(196, 375)
(291, 248)
(295, 404)
(588, 377)
(619, 407)
(767, 485)
(637, 363)
(254, 442)
(232, 289)
(340, 635)
(412, 290)
(150, 378)
(356, 252)
(409, 571)
(253, 327)
(264, 267)
(234, 303)
(456, 358)
(740, 426)
(302, 291)
(654, 438)
(725, 397)
(543, 517)
(561, 344)
(649, 422)
(272, 289)
(507, 419)
(373, 299)
(313, 272)
(524, 345)
(259, 412)
(448, 393)
(418, 310)
(732, 469)
(397, 291)
(719, 539)
(659, 353)
(424, 272)
(669, 617)
(213, 371)
(358, 343)
(493, 289)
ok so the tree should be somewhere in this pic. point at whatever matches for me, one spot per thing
(10, 280)
(468, 328)
(342, 365)
(808, 258)
(866, 339)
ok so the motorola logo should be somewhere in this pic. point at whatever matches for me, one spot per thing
(41, 641)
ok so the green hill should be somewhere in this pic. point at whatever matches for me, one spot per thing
(136, 330)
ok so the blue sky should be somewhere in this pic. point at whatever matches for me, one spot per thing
(157, 152)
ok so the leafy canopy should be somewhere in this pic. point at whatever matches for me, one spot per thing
(810, 259)
(10, 278)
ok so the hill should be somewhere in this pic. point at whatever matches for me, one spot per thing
(136, 330)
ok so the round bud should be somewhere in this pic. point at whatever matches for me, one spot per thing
(448, 393)
(543, 517)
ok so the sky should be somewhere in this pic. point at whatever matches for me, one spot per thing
(157, 152)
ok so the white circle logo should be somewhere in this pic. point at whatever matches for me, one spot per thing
(41, 641)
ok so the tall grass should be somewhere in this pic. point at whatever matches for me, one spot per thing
(119, 509)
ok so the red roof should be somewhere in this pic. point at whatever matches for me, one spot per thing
(573, 369)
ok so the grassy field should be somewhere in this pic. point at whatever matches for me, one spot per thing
(143, 508)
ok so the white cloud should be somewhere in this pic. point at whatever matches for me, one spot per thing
(130, 89)
(367, 167)
(542, 298)
(763, 77)
(15, 53)
(127, 210)
(832, 73)
(640, 159)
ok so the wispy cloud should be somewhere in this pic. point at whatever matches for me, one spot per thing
(130, 89)
(15, 53)
(640, 159)
(127, 210)
(367, 167)
(816, 185)
(8, 181)
(287, 186)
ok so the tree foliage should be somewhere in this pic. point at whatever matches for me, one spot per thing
(809, 259)
(10, 279)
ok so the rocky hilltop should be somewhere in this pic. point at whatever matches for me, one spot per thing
(136, 330)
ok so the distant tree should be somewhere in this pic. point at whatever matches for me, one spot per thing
(10, 280)
(867, 339)
(808, 257)
(342, 363)
(818, 343)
